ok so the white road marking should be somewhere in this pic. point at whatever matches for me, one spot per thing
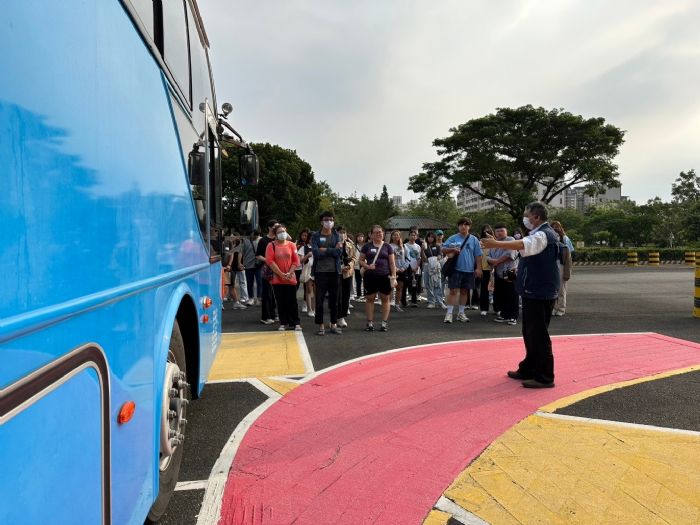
(447, 505)
(617, 424)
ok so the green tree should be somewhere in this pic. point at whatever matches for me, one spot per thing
(287, 189)
(443, 208)
(686, 188)
(508, 155)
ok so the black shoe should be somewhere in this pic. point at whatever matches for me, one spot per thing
(515, 374)
(384, 328)
(534, 383)
(370, 328)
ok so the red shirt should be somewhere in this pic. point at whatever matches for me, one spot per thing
(286, 257)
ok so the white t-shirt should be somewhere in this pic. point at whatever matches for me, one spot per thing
(413, 251)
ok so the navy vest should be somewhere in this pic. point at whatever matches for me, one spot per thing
(538, 275)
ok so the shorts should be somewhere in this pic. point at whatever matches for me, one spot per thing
(461, 280)
(377, 283)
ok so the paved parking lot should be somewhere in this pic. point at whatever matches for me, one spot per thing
(601, 300)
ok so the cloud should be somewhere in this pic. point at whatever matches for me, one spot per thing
(361, 89)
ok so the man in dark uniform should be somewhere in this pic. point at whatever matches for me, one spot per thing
(538, 285)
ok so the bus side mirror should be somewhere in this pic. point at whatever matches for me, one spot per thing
(249, 168)
(249, 216)
(196, 167)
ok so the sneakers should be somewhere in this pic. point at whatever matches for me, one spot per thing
(304, 308)
(250, 302)
(511, 322)
(398, 308)
(336, 330)
(282, 328)
(238, 306)
(484, 313)
(558, 313)
(473, 307)
(431, 305)
(342, 323)
(297, 328)
(448, 318)
(500, 319)
(443, 305)
(385, 327)
(369, 328)
(267, 321)
(312, 313)
(462, 318)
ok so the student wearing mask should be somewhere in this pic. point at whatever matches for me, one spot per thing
(281, 256)
(327, 249)
(415, 257)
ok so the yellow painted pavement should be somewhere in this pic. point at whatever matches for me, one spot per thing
(548, 470)
(248, 355)
(437, 517)
(280, 386)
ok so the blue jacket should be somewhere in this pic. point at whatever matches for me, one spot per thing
(331, 250)
(538, 275)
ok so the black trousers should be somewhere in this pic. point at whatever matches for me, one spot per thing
(268, 310)
(484, 291)
(286, 296)
(326, 282)
(358, 284)
(345, 290)
(539, 359)
(505, 298)
(414, 282)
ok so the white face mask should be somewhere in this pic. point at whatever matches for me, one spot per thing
(527, 223)
(328, 224)
(281, 236)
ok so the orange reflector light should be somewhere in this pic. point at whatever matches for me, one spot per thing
(205, 319)
(126, 412)
(206, 302)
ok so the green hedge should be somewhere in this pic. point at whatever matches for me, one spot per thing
(620, 254)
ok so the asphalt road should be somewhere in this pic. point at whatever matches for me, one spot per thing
(601, 299)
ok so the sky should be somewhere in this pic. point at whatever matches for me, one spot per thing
(361, 89)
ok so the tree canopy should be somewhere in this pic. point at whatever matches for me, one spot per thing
(515, 155)
(287, 190)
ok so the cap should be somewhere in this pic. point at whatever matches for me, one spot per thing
(439, 232)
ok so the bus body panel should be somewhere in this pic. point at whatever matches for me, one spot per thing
(61, 457)
(100, 245)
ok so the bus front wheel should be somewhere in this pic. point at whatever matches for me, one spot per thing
(175, 398)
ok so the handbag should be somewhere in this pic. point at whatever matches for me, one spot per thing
(305, 273)
(451, 262)
(362, 270)
(267, 272)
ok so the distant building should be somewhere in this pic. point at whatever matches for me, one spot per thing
(572, 198)
(468, 201)
(396, 201)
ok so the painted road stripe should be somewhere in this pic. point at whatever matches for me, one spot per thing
(210, 511)
(191, 485)
(618, 424)
(570, 400)
(467, 518)
(550, 469)
(380, 438)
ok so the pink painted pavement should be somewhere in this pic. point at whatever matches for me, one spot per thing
(379, 440)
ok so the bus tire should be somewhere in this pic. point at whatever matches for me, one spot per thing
(172, 420)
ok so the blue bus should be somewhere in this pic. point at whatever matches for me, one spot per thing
(111, 207)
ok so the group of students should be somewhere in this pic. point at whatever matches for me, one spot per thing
(329, 265)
